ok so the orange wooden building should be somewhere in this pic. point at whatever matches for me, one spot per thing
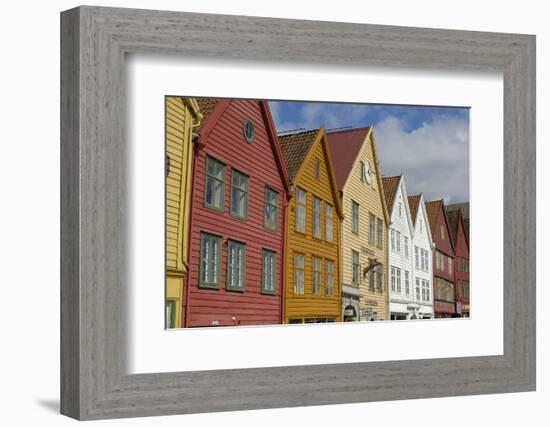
(313, 286)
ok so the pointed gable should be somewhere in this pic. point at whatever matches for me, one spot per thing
(432, 209)
(295, 148)
(344, 147)
(414, 202)
(391, 186)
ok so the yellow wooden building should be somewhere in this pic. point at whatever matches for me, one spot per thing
(313, 291)
(182, 116)
(365, 226)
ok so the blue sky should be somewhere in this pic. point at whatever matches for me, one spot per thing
(428, 145)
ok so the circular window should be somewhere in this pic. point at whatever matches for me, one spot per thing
(248, 130)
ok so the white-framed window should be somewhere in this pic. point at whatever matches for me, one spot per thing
(317, 218)
(417, 286)
(420, 225)
(406, 246)
(426, 293)
(328, 222)
(268, 272)
(362, 171)
(379, 231)
(300, 210)
(395, 279)
(392, 240)
(399, 209)
(299, 274)
(407, 284)
(235, 265)
(329, 277)
(417, 257)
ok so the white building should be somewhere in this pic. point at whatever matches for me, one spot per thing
(403, 302)
(422, 248)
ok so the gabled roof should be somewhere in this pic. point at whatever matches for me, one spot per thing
(391, 186)
(344, 148)
(433, 210)
(213, 108)
(207, 106)
(452, 217)
(295, 148)
(414, 201)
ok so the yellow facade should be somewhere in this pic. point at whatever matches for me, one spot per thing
(372, 205)
(315, 177)
(182, 115)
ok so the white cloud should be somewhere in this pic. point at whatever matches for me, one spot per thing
(434, 158)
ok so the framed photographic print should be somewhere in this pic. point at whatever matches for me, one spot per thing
(292, 213)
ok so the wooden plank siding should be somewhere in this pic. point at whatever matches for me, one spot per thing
(308, 304)
(370, 198)
(181, 117)
(441, 235)
(221, 138)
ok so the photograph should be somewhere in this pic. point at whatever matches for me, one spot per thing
(300, 212)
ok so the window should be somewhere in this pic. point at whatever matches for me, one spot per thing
(379, 277)
(442, 232)
(406, 244)
(328, 222)
(416, 257)
(398, 281)
(316, 267)
(362, 171)
(235, 266)
(423, 291)
(424, 259)
(298, 274)
(300, 210)
(420, 225)
(466, 289)
(239, 194)
(372, 220)
(379, 238)
(355, 267)
(210, 261)
(417, 289)
(317, 230)
(372, 278)
(407, 287)
(329, 277)
(170, 314)
(444, 290)
(427, 285)
(393, 279)
(271, 210)
(268, 272)
(215, 184)
(398, 241)
(399, 208)
(317, 169)
(354, 217)
(392, 233)
(450, 265)
(466, 265)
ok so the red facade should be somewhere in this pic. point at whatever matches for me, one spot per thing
(251, 159)
(443, 261)
(462, 262)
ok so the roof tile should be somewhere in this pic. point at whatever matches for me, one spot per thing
(390, 184)
(295, 148)
(414, 202)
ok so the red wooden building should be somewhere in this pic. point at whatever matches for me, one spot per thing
(443, 261)
(461, 242)
(239, 201)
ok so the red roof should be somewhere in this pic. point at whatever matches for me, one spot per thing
(432, 209)
(344, 147)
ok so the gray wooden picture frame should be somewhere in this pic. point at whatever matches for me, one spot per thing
(94, 41)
